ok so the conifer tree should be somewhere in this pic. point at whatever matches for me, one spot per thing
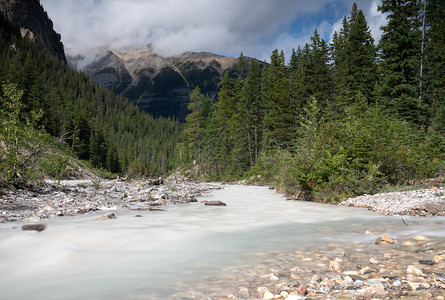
(195, 123)
(318, 76)
(360, 57)
(223, 115)
(435, 63)
(249, 116)
(279, 130)
(400, 54)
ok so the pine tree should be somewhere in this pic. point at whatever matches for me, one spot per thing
(279, 130)
(360, 57)
(223, 115)
(248, 121)
(195, 123)
(400, 54)
(435, 63)
(318, 76)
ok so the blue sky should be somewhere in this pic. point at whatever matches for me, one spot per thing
(255, 27)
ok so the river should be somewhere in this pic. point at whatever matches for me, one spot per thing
(153, 256)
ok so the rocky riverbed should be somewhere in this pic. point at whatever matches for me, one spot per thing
(77, 197)
(407, 269)
(381, 268)
(425, 202)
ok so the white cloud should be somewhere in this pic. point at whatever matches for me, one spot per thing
(255, 27)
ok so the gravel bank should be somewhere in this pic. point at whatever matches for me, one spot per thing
(426, 202)
(77, 197)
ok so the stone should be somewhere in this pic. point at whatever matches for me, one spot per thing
(413, 278)
(268, 296)
(420, 238)
(302, 290)
(439, 258)
(414, 270)
(351, 273)
(348, 280)
(284, 294)
(336, 265)
(358, 284)
(366, 270)
(107, 216)
(243, 292)
(373, 261)
(261, 290)
(31, 219)
(429, 262)
(36, 227)
(294, 297)
(215, 203)
(397, 283)
(397, 293)
(374, 281)
(274, 278)
(387, 239)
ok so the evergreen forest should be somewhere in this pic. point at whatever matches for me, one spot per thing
(338, 120)
(51, 113)
(333, 120)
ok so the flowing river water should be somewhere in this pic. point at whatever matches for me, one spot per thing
(162, 252)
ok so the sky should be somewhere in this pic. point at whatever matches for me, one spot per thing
(226, 27)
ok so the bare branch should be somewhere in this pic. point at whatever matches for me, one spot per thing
(62, 138)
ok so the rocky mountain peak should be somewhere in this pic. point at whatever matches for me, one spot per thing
(34, 24)
(158, 84)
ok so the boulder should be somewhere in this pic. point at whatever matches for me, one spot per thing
(36, 227)
(107, 216)
(215, 203)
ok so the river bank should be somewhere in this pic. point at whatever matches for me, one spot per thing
(80, 197)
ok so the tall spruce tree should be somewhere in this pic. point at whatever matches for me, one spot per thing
(400, 58)
(279, 125)
(318, 78)
(435, 63)
(361, 74)
(195, 124)
(223, 116)
(249, 116)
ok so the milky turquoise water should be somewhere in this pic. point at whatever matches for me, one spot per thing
(124, 258)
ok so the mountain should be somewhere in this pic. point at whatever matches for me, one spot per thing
(34, 23)
(157, 84)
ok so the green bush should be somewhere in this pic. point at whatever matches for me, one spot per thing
(361, 154)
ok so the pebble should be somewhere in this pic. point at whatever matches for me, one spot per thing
(268, 296)
(373, 261)
(414, 270)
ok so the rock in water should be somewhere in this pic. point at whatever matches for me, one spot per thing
(107, 216)
(36, 227)
(215, 203)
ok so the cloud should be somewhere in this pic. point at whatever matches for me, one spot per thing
(228, 27)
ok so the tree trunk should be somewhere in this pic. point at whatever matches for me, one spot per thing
(421, 56)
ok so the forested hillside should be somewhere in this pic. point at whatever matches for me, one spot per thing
(41, 95)
(339, 119)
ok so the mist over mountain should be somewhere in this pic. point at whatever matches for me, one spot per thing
(157, 84)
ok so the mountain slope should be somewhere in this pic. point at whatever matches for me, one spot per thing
(159, 85)
(34, 24)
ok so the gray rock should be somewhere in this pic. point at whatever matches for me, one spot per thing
(215, 203)
(36, 227)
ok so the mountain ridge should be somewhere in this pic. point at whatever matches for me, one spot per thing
(157, 84)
